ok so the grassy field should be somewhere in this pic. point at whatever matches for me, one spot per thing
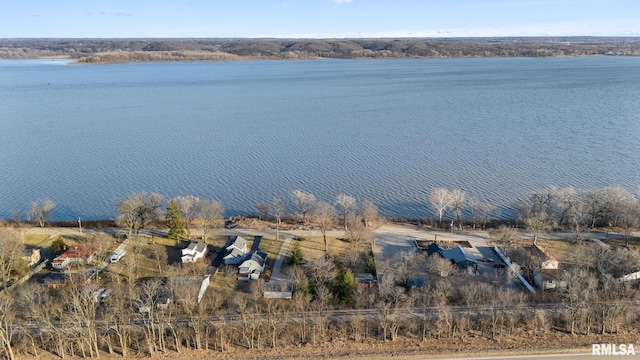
(35, 239)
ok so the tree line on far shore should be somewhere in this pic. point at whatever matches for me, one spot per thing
(145, 50)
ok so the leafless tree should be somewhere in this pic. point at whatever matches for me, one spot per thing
(190, 208)
(504, 234)
(324, 215)
(628, 217)
(369, 212)
(358, 235)
(41, 211)
(278, 209)
(347, 204)
(574, 210)
(535, 212)
(457, 201)
(436, 264)
(11, 250)
(7, 315)
(479, 212)
(581, 285)
(264, 209)
(138, 210)
(601, 204)
(440, 201)
(305, 202)
(211, 217)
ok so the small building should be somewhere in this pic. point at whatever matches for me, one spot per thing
(252, 266)
(461, 257)
(278, 290)
(193, 252)
(75, 254)
(539, 256)
(415, 283)
(236, 251)
(365, 280)
(32, 256)
(546, 279)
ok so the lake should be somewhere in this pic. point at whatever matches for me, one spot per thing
(389, 131)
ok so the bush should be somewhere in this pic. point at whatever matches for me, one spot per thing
(296, 257)
(58, 246)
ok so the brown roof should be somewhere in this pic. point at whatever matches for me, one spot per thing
(78, 252)
(538, 252)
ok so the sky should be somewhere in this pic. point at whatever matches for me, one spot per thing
(316, 18)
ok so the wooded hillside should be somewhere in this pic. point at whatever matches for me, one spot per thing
(133, 50)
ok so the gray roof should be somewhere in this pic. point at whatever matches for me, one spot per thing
(458, 255)
(238, 241)
(199, 246)
(233, 253)
(257, 256)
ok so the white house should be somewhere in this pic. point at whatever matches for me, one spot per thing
(252, 266)
(193, 252)
(236, 251)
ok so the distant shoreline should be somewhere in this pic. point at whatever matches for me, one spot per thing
(104, 51)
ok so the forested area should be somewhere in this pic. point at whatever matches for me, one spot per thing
(142, 50)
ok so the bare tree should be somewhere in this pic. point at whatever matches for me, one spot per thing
(264, 209)
(7, 315)
(138, 211)
(346, 204)
(211, 217)
(601, 204)
(358, 235)
(278, 209)
(11, 250)
(324, 216)
(41, 211)
(440, 201)
(535, 212)
(479, 212)
(456, 201)
(628, 217)
(304, 201)
(189, 207)
(504, 234)
(369, 212)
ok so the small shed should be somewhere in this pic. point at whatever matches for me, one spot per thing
(278, 290)
(365, 280)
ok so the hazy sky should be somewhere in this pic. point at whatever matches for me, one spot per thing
(317, 18)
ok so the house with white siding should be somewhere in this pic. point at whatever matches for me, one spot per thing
(252, 266)
(236, 251)
(193, 252)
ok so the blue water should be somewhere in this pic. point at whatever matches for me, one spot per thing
(389, 131)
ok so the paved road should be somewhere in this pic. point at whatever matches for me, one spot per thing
(581, 356)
